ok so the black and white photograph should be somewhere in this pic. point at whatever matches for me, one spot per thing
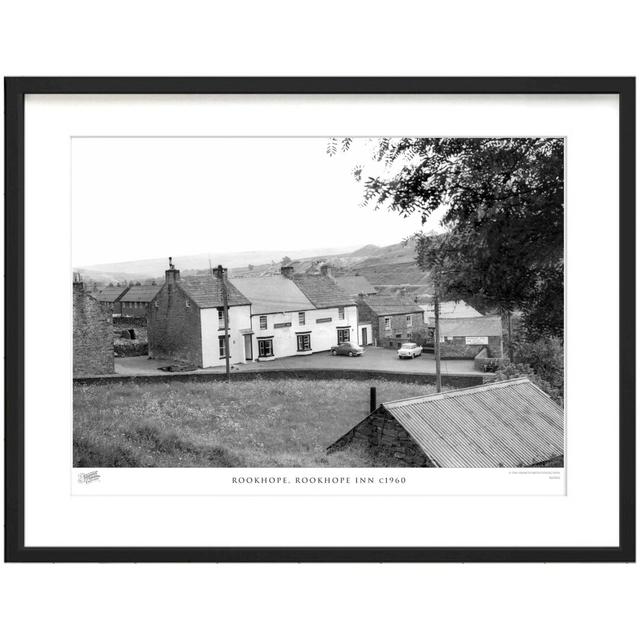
(318, 302)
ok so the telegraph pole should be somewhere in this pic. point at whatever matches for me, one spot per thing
(225, 312)
(436, 337)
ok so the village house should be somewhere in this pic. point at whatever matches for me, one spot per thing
(502, 424)
(186, 320)
(270, 317)
(92, 334)
(137, 300)
(110, 298)
(467, 337)
(296, 314)
(393, 319)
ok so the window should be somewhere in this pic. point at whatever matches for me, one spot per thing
(220, 318)
(265, 347)
(341, 313)
(301, 317)
(186, 304)
(263, 322)
(343, 335)
(409, 321)
(304, 342)
(221, 348)
(387, 324)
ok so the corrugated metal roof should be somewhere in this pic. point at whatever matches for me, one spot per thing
(110, 294)
(272, 294)
(141, 293)
(502, 424)
(482, 326)
(206, 292)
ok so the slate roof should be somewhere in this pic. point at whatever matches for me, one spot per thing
(323, 292)
(383, 305)
(110, 294)
(142, 293)
(355, 285)
(206, 291)
(461, 327)
(272, 294)
(502, 424)
(452, 309)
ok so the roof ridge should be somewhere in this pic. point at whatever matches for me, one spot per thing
(429, 397)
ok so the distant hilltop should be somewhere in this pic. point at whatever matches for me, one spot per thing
(392, 266)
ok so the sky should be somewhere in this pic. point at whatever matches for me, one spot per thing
(139, 198)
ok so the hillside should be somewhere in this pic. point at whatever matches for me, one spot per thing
(391, 268)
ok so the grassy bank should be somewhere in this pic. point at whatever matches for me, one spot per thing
(258, 423)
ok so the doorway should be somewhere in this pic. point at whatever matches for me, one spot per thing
(364, 337)
(248, 347)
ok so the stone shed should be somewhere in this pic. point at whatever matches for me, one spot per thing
(92, 334)
(467, 337)
(502, 424)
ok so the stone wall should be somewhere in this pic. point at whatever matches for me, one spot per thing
(389, 444)
(173, 328)
(482, 362)
(92, 335)
(458, 381)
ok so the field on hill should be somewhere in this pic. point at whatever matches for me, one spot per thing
(259, 423)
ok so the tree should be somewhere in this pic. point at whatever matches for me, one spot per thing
(502, 206)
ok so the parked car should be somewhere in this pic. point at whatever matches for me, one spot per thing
(409, 350)
(347, 349)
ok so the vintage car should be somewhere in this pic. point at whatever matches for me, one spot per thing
(347, 349)
(409, 350)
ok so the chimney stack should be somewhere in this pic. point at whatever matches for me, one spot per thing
(286, 271)
(78, 285)
(171, 275)
(325, 270)
(220, 272)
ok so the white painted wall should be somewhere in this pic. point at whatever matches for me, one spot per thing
(369, 327)
(323, 335)
(239, 318)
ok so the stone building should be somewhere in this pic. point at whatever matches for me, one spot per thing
(393, 320)
(467, 337)
(110, 298)
(92, 334)
(186, 320)
(502, 424)
(137, 300)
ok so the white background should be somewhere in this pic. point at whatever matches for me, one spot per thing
(54, 517)
(372, 38)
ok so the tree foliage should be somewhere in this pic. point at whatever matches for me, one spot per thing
(502, 206)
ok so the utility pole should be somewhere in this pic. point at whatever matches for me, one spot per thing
(436, 338)
(222, 275)
(509, 334)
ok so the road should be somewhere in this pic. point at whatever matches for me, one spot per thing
(373, 358)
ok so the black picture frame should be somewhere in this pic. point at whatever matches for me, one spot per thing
(15, 91)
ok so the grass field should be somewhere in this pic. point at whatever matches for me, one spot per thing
(260, 423)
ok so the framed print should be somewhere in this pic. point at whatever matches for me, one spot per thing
(320, 319)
